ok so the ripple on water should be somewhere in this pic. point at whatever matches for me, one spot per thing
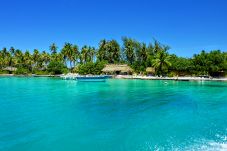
(53, 114)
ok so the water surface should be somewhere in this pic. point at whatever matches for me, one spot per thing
(51, 114)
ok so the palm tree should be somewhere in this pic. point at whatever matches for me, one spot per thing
(1, 59)
(102, 53)
(160, 47)
(53, 48)
(161, 62)
(4, 51)
(18, 58)
(142, 54)
(7, 59)
(60, 58)
(69, 53)
(45, 57)
(84, 54)
(113, 51)
(91, 53)
(36, 57)
(157, 47)
(12, 50)
(76, 54)
(28, 61)
(129, 49)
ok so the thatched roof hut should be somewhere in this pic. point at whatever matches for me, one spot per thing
(11, 69)
(150, 70)
(117, 69)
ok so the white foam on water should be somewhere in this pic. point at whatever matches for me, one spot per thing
(201, 145)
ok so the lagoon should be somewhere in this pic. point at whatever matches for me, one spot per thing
(51, 114)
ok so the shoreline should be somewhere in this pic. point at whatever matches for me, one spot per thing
(169, 78)
(32, 75)
(131, 77)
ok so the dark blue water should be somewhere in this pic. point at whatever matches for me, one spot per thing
(48, 114)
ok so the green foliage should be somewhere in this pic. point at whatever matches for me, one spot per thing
(4, 72)
(70, 52)
(53, 48)
(138, 68)
(161, 62)
(21, 71)
(109, 51)
(87, 54)
(210, 63)
(172, 74)
(180, 65)
(56, 68)
(40, 72)
(137, 54)
(130, 46)
(90, 68)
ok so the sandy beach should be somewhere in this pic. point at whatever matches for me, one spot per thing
(130, 77)
(169, 78)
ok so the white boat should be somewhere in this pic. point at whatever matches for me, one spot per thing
(95, 78)
(69, 76)
(87, 78)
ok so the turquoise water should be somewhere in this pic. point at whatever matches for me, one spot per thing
(47, 114)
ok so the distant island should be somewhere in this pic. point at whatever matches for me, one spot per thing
(132, 57)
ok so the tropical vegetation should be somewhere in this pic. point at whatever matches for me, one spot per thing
(91, 60)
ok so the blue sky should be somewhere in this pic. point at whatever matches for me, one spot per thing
(188, 26)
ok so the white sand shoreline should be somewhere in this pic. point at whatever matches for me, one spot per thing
(132, 77)
(169, 78)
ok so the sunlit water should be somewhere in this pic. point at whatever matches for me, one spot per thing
(48, 114)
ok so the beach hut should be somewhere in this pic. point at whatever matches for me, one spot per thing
(150, 71)
(10, 69)
(117, 69)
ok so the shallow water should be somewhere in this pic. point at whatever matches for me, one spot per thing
(48, 114)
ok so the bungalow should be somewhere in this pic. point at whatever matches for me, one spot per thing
(10, 69)
(117, 69)
(150, 71)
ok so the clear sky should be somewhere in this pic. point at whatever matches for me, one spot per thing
(188, 26)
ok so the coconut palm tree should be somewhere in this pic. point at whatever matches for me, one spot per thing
(5, 58)
(53, 48)
(45, 59)
(157, 47)
(76, 54)
(69, 53)
(161, 62)
(28, 61)
(113, 49)
(36, 57)
(18, 58)
(12, 50)
(84, 54)
(91, 53)
(142, 53)
(129, 49)
(102, 53)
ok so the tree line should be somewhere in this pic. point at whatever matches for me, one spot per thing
(91, 60)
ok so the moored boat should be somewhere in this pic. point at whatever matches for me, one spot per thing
(93, 78)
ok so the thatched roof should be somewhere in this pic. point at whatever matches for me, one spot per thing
(10, 69)
(124, 68)
(150, 70)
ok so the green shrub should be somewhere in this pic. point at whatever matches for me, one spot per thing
(21, 71)
(55, 67)
(38, 72)
(172, 74)
(90, 68)
(4, 72)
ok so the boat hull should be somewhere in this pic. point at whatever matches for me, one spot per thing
(92, 79)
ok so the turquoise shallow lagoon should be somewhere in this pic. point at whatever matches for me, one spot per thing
(50, 114)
